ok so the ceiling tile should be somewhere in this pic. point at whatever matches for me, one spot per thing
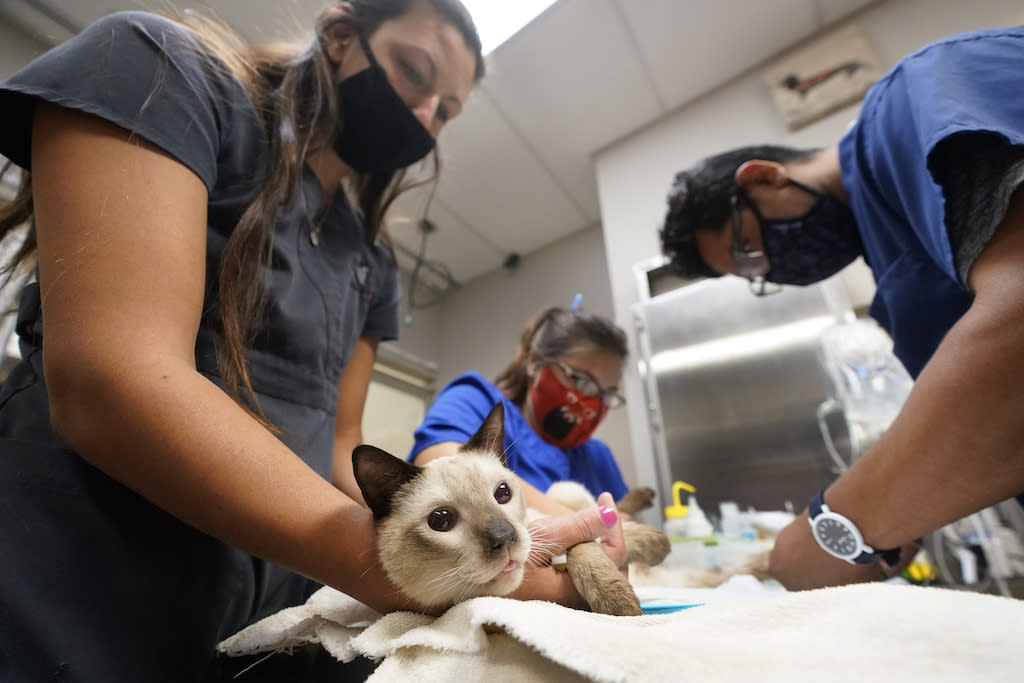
(456, 246)
(693, 46)
(571, 82)
(496, 184)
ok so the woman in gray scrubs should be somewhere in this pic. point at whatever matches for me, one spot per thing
(212, 282)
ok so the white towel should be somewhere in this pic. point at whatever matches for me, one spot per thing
(852, 633)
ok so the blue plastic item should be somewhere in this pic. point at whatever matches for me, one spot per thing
(666, 607)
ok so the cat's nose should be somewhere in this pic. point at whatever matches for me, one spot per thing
(500, 534)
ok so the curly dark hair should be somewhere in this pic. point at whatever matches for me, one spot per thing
(699, 200)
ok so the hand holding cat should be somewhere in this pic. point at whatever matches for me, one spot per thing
(562, 532)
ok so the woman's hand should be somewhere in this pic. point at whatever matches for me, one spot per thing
(552, 536)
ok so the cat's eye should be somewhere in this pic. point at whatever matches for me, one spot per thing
(502, 493)
(442, 519)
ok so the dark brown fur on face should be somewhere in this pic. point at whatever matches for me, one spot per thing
(456, 528)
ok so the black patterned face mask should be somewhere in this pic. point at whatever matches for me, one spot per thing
(379, 133)
(810, 248)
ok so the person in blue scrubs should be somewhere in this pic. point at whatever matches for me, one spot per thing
(926, 186)
(556, 391)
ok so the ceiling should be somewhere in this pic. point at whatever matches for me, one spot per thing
(518, 163)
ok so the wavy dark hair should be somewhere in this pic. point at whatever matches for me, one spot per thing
(699, 200)
(554, 332)
(294, 91)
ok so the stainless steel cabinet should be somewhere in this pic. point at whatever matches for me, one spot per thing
(733, 383)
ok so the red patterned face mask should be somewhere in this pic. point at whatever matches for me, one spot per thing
(566, 417)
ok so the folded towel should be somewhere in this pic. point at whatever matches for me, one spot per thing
(850, 633)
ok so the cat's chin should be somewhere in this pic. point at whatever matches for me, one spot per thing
(506, 581)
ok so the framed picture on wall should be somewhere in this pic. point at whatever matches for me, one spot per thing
(823, 75)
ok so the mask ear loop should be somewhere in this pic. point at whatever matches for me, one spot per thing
(365, 44)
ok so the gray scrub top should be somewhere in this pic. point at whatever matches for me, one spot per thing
(141, 72)
(96, 583)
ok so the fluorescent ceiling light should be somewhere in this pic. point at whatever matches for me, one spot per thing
(499, 20)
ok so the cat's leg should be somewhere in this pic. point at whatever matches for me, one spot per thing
(757, 566)
(636, 500)
(645, 544)
(600, 582)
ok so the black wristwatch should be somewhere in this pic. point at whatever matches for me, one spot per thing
(839, 537)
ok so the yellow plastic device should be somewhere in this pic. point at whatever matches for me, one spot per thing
(677, 510)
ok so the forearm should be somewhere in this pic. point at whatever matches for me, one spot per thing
(166, 432)
(344, 478)
(353, 389)
(955, 447)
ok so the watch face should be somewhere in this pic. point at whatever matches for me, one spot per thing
(836, 537)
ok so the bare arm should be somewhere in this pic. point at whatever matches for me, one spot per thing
(122, 233)
(955, 447)
(348, 433)
(557, 534)
(534, 497)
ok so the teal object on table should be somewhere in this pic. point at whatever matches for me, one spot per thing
(666, 607)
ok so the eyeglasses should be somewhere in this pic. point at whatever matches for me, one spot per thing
(753, 265)
(585, 383)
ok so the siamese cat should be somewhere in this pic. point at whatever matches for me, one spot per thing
(456, 528)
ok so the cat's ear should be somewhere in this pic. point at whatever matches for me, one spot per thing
(490, 438)
(380, 475)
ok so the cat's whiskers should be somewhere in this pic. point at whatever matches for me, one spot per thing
(542, 549)
(513, 443)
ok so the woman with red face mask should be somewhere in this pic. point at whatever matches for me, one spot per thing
(562, 382)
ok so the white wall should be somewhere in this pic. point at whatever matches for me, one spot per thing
(634, 175)
(419, 329)
(16, 49)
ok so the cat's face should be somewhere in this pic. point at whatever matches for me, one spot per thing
(453, 529)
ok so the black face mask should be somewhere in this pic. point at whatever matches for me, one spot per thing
(806, 249)
(379, 133)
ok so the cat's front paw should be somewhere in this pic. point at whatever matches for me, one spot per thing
(645, 544)
(600, 582)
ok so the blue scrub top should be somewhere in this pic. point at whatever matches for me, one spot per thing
(461, 408)
(965, 83)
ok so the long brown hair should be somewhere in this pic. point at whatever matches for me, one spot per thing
(554, 332)
(293, 89)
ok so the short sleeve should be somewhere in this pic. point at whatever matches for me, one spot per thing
(382, 319)
(142, 72)
(457, 412)
(978, 172)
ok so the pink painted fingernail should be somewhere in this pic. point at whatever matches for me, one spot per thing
(608, 515)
